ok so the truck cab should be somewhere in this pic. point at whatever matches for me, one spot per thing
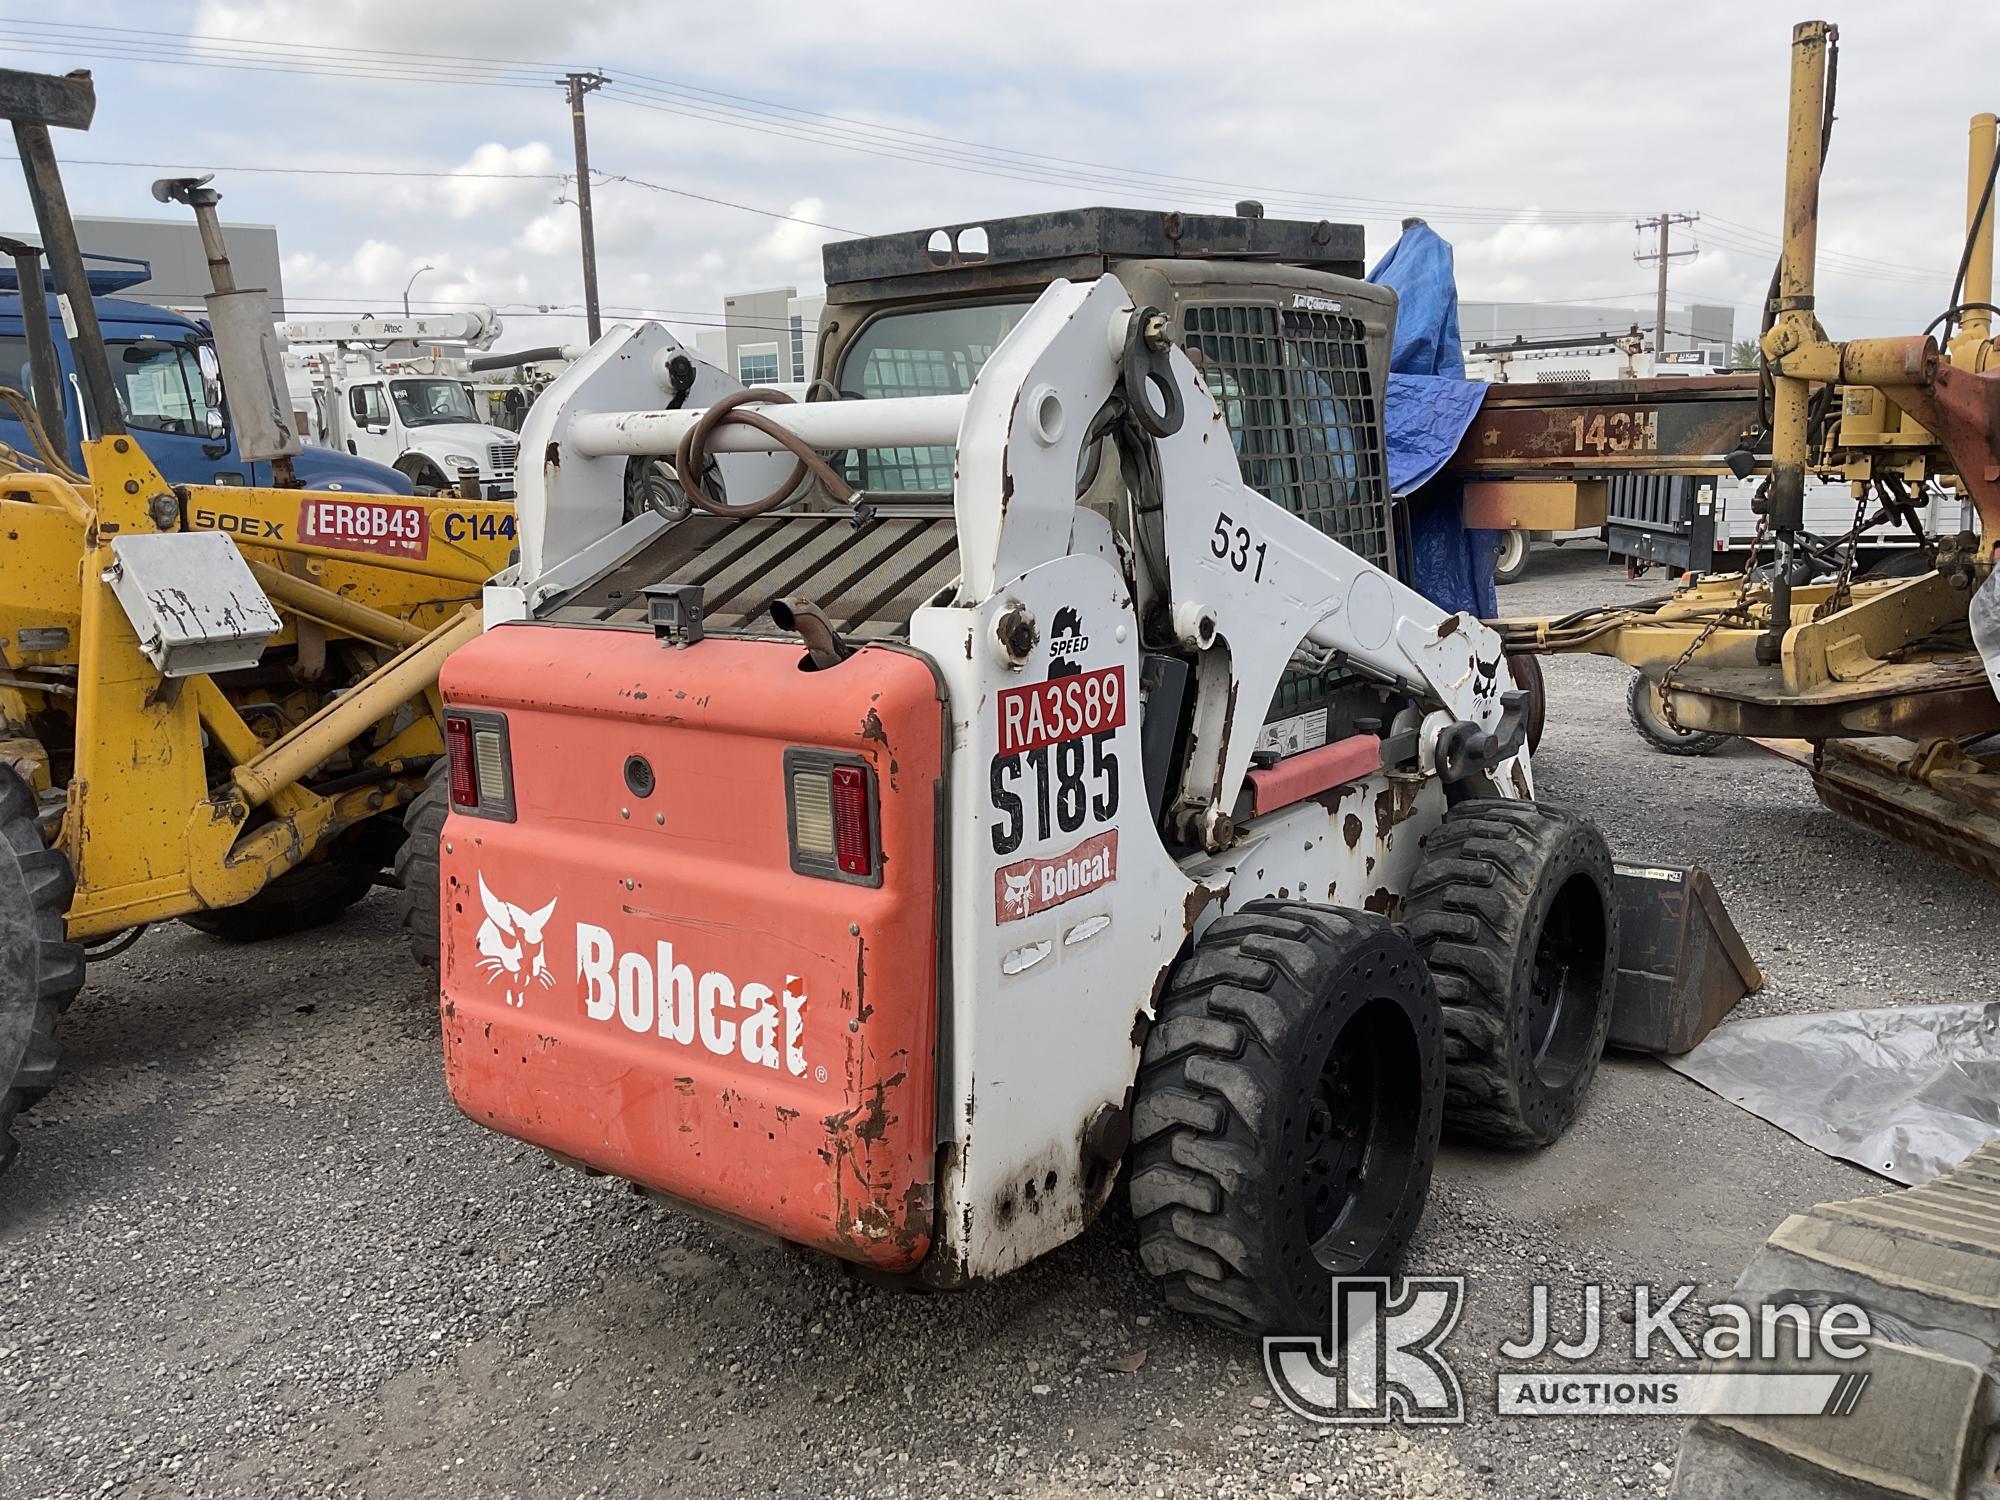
(426, 427)
(171, 390)
(396, 390)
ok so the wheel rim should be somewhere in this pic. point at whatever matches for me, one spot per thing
(1357, 1135)
(1513, 547)
(1656, 719)
(1564, 982)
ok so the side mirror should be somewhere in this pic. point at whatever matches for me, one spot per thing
(217, 427)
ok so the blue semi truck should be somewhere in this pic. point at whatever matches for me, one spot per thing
(169, 385)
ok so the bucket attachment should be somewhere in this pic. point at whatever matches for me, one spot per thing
(1682, 965)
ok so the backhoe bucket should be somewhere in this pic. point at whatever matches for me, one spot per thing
(1682, 966)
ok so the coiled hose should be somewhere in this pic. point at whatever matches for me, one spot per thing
(691, 457)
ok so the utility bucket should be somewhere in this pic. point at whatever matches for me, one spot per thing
(1681, 964)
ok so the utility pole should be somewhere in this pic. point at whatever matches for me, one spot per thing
(579, 84)
(1662, 252)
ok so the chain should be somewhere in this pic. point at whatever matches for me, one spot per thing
(1838, 597)
(1709, 629)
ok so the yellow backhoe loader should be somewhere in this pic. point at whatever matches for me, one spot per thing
(215, 701)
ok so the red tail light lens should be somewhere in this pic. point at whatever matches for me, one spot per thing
(853, 837)
(831, 803)
(482, 763)
(458, 745)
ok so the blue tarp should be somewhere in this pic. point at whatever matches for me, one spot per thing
(1418, 268)
(1426, 410)
(1423, 418)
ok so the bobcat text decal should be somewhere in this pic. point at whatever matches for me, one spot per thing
(1033, 885)
(653, 994)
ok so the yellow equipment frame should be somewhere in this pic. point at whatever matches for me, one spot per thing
(1879, 679)
(150, 829)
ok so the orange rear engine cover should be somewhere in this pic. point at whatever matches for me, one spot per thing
(644, 983)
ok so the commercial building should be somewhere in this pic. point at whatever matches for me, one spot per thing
(172, 248)
(768, 336)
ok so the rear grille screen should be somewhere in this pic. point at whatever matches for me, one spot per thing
(1295, 389)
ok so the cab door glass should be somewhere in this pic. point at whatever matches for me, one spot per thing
(160, 387)
(17, 372)
(368, 406)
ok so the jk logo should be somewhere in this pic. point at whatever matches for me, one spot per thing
(1379, 1362)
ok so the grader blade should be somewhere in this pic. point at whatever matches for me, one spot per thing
(1934, 798)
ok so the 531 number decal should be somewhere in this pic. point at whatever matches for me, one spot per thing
(1232, 543)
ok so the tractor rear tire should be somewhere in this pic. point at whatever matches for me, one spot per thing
(1526, 669)
(1289, 1101)
(417, 905)
(40, 969)
(1908, 562)
(1642, 702)
(299, 900)
(1514, 910)
(304, 897)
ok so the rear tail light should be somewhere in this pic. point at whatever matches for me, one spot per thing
(458, 745)
(853, 837)
(833, 812)
(482, 764)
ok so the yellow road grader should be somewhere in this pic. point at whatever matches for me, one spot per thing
(1884, 688)
(215, 701)
(1888, 690)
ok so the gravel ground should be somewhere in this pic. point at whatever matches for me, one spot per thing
(251, 1249)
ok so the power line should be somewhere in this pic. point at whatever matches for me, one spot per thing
(747, 113)
(758, 116)
(88, 161)
(640, 182)
(601, 178)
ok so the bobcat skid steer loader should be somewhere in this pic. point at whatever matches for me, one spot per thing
(888, 872)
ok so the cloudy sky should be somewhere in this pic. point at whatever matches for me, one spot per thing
(732, 140)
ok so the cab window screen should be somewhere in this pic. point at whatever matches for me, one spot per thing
(1297, 394)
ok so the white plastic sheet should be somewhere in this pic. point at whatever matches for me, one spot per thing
(1906, 1092)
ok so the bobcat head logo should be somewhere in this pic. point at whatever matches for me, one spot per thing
(511, 946)
(1018, 887)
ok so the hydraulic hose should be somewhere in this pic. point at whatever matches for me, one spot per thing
(691, 457)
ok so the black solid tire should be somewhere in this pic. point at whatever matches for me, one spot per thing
(1511, 572)
(1642, 706)
(304, 897)
(1526, 669)
(1906, 562)
(417, 903)
(40, 969)
(1286, 1021)
(1514, 910)
(424, 476)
